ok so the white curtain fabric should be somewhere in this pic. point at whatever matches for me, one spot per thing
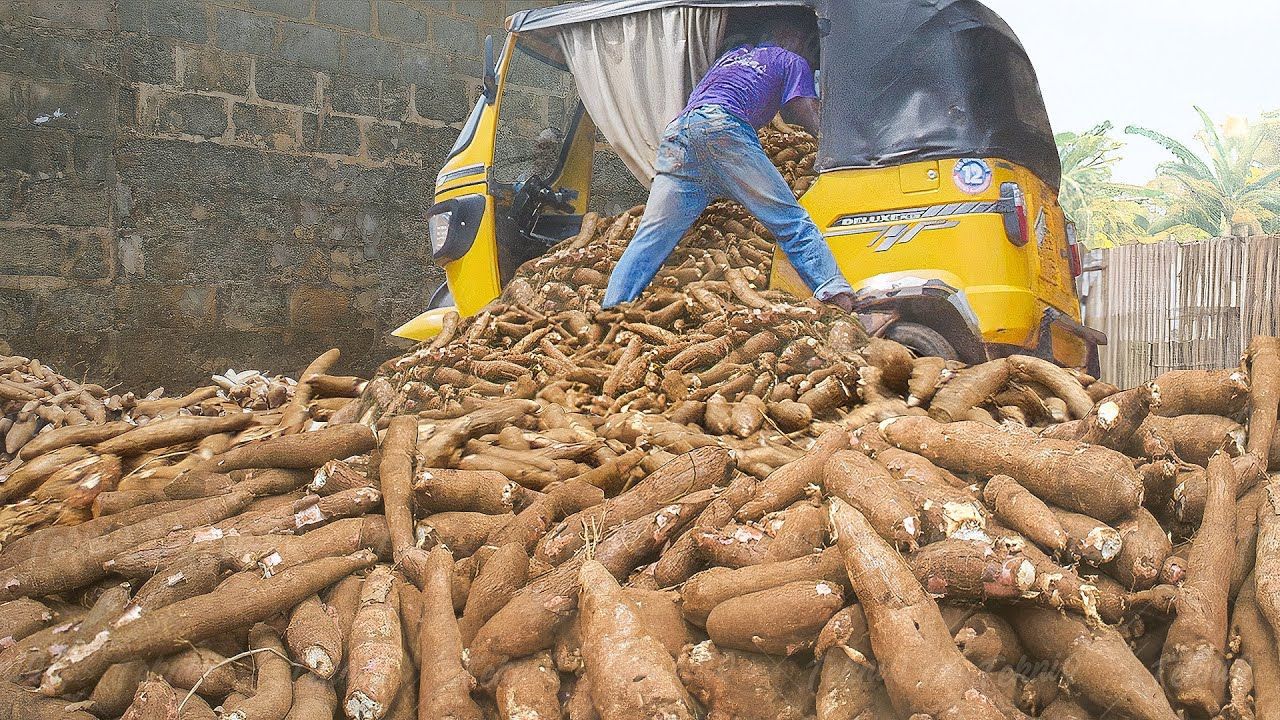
(636, 72)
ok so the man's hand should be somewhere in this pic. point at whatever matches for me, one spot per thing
(805, 112)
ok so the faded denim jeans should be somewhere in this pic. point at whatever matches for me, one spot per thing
(706, 154)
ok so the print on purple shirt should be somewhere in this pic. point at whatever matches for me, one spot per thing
(754, 82)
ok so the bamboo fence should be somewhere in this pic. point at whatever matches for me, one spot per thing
(1175, 306)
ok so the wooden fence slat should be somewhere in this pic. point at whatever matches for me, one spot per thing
(1176, 306)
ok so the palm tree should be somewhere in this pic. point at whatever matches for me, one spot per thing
(1269, 153)
(1106, 213)
(1269, 157)
(1228, 188)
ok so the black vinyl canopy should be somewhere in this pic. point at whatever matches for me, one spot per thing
(902, 80)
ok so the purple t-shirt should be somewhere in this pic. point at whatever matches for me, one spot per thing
(754, 83)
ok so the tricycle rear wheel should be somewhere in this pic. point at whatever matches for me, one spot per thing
(922, 340)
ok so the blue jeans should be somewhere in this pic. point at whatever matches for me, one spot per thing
(706, 154)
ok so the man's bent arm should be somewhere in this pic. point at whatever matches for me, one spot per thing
(803, 111)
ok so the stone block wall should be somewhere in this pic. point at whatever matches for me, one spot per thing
(192, 185)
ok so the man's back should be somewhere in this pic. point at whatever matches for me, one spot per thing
(754, 82)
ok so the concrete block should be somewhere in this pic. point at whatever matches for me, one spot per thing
(354, 185)
(63, 202)
(35, 151)
(53, 105)
(8, 191)
(318, 308)
(293, 8)
(360, 348)
(394, 101)
(152, 167)
(520, 105)
(394, 310)
(490, 12)
(540, 76)
(51, 54)
(240, 31)
(92, 159)
(355, 95)
(309, 45)
(77, 14)
(430, 7)
(468, 67)
(411, 193)
(228, 251)
(168, 18)
(183, 358)
(447, 101)
(423, 67)
(150, 59)
(166, 255)
(252, 306)
(78, 354)
(372, 57)
(129, 256)
(77, 309)
(207, 68)
(284, 83)
(399, 21)
(89, 251)
(148, 305)
(33, 251)
(350, 14)
(613, 188)
(267, 127)
(385, 143)
(511, 7)
(458, 37)
(330, 134)
(17, 312)
(190, 115)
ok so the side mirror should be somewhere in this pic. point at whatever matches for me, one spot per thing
(490, 72)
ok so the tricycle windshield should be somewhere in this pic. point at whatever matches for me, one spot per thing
(539, 104)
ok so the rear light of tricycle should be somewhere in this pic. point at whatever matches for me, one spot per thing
(1073, 251)
(1013, 210)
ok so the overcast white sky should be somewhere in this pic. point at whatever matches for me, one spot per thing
(1146, 62)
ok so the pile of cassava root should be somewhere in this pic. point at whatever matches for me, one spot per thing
(717, 502)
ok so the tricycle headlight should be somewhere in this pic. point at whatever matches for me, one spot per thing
(438, 229)
(452, 226)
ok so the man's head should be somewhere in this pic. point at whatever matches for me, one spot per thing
(795, 29)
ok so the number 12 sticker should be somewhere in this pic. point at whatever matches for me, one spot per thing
(972, 176)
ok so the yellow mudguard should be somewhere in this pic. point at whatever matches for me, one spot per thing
(425, 326)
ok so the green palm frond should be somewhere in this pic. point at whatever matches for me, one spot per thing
(1182, 152)
(1264, 182)
(1247, 160)
(1237, 178)
(1218, 153)
(1105, 212)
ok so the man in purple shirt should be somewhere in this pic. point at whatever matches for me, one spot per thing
(712, 150)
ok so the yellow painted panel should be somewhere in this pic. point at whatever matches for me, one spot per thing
(425, 326)
(578, 165)
(473, 278)
(918, 177)
(1008, 286)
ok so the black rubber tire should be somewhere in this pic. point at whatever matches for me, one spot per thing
(922, 339)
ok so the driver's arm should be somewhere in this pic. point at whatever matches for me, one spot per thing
(805, 112)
